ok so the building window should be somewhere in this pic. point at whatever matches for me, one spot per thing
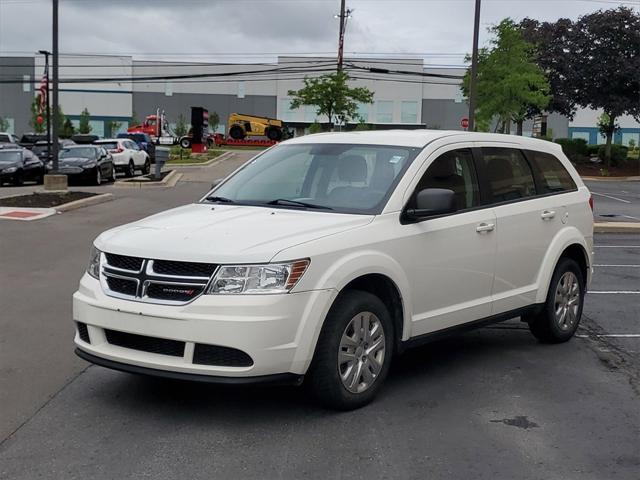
(363, 112)
(168, 89)
(97, 127)
(241, 87)
(409, 112)
(626, 136)
(582, 135)
(310, 113)
(26, 83)
(384, 111)
(286, 113)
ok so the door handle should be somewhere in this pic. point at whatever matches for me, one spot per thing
(548, 214)
(485, 227)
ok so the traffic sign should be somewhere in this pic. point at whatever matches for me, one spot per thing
(464, 122)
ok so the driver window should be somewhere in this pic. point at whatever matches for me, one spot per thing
(455, 171)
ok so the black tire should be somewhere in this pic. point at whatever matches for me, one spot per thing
(546, 326)
(147, 167)
(98, 178)
(274, 133)
(236, 132)
(131, 169)
(40, 179)
(112, 177)
(185, 143)
(323, 378)
(18, 178)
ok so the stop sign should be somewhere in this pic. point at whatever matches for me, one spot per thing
(464, 123)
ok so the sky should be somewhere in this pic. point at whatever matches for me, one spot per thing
(440, 31)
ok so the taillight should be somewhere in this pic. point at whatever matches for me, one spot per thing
(117, 150)
(591, 202)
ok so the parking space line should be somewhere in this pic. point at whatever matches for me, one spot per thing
(611, 292)
(632, 218)
(619, 266)
(612, 335)
(616, 246)
(609, 196)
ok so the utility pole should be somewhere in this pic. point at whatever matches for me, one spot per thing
(46, 54)
(473, 82)
(343, 16)
(54, 140)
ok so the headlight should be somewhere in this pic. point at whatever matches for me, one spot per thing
(89, 165)
(10, 169)
(258, 279)
(94, 263)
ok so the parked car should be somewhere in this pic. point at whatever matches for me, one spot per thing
(127, 155)
(88, 163)
(144, 141)
(40, 148)
(325, 256)
(8, 138)
(19, 165)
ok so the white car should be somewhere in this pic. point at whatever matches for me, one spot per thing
(325, 256)
(127, 155)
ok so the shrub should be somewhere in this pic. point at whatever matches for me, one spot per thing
(593, 150)
(574, 148)
(619, 154)
(315, 127)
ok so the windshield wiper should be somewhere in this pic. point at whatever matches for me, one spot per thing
(215, 199)
(296, 203)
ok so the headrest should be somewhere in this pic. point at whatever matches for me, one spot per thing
(443, 167)
(352, 168)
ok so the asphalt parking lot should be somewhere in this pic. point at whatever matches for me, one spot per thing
(615, 201)
(491, 404)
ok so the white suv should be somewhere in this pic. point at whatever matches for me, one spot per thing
(127, 155)
(325, 256)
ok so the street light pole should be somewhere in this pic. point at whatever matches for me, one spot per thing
(341, 35)
(473, 81)
(46, 54)
(54, 85)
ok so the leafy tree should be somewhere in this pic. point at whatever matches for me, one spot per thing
(134, 119)
(511, 86)
(4, 124)
(84, 127)
(35, 113)
(214, 121)
(332, 96)
(68, 130)
(362, 126)
(181, 127)
(606, 56)
(113, 126)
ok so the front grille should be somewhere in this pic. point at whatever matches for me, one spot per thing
(220, 356)
(83, 332)
(183, 269)
(143, 343)
(122, 285)
(124, 262)
(172, 292)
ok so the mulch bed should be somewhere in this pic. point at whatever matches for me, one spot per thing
(44, 200)
(631, 168)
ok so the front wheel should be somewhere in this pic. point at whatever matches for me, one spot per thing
(353, 353)
(18, 179)
(131, 169)
(147, 167)
(560, 317)
(185, 143)
(98, 178)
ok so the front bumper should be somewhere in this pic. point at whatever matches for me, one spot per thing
(278, 332)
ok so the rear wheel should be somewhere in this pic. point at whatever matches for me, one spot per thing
(236, 132)
(98, 178)
(147, 167)
(274, 133)
(185, 143)
(560, 317)
(353, 353)
(131, 169)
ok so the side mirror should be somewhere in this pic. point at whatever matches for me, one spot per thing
(431, 202)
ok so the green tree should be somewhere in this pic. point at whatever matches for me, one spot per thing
(84, 127)
(68, 130)
(35, 113)
(113, 126)
(181, 127)
(332, 96)
(511, 86)
(214, 121)
(4, 124)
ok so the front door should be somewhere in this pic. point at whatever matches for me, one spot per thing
(450, 259)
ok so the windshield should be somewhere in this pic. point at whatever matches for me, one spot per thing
(81, 152)
(347, 178)
(9, 157)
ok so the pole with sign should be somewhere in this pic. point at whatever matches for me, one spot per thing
(464, 123)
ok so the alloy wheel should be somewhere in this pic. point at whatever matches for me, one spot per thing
(567, 301)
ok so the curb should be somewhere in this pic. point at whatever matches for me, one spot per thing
(612, 179)
(168, 181)
(616, 227)
(84, 202)
(208, 163)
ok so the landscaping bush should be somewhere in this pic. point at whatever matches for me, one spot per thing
(619, 154)
(315, 127)
(574, 148)
(593, 150)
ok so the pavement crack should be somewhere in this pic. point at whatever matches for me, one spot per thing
(519, 421)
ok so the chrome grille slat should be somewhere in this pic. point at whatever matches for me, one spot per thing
(152, 286)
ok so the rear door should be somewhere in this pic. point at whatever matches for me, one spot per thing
(527, 221)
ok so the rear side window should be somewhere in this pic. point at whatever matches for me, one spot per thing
(554, 177)
(509, 174)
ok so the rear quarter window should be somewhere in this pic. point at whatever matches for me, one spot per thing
(554, 176)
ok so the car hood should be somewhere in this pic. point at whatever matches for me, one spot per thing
(4, 165)
(74, 161)
(224, 233)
